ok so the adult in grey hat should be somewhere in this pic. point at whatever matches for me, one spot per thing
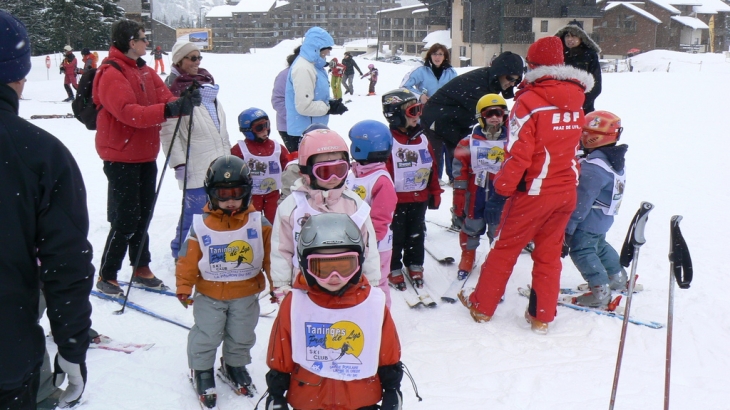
(580, 51)
(44, 243)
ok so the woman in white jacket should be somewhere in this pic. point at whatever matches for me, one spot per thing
(208, 138)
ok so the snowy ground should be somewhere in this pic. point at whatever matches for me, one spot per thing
(678, 143)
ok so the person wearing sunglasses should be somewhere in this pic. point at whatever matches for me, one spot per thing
(311, 365)
(226, 260)
(413, 170)
(134, 104)
(477, 159)
(324, 165)
(580, 51)
(265, 157)
(536, 185)
(448, 115)
(194, 148)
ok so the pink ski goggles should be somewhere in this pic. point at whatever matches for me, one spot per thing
(329, 170)
(324, 266)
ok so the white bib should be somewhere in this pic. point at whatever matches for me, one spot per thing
(265, 171)
(411, 166)
(363, 187)
(304, 210)
(486, 155)
(340, 344)
(230, 256)
(619, 182)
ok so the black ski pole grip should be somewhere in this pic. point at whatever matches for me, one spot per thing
(642, 216)
(679, 254)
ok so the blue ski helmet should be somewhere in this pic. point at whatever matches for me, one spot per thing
(371, 141)
(247, 117)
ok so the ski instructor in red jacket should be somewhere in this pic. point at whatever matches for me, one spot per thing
(134, 103)
(535, 191)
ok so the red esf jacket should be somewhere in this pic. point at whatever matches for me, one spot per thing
(544, 131)
(308, 390)
(132, 109)
(433, 188)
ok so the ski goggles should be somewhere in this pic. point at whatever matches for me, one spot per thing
(260, 126)
(329, 170)
(324, 266)
(414, 110)
(223, 194)
(492, 112)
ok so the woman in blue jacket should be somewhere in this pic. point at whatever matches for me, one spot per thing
(424, 81)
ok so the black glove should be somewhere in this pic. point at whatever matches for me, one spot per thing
(278, 384)
(493, 208)
(76, 380)
(392, 399)
(336, 107)
(276, 402)
(566, 245)
(183, 105)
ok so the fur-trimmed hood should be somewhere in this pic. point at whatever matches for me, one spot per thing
(544, 79)
(575, 29)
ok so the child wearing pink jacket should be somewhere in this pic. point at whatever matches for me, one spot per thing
(370, 148)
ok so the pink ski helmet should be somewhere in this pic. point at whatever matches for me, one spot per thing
(371, 66)
(320, 141)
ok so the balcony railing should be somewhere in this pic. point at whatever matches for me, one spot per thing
(519, 38)
(580, 11)
(519, 10)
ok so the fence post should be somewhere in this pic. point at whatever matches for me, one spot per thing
(668, 64)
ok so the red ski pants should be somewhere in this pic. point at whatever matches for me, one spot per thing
(267, 204)
(540, 218)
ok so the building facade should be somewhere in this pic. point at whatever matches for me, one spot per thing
(241, 27)
(402, 29)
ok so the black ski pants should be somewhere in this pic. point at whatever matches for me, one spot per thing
(409, 234)
(130, 199)
(22, 398)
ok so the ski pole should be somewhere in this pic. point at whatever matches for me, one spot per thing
(185, 184)
(680, 270)
(630, 252)
(143, 241)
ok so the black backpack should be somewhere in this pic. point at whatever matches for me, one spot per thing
(83, 106)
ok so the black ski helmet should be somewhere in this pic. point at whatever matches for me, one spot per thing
(393, 105)
(228, 171)
(327, 231)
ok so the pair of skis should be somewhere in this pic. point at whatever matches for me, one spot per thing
(50, 116)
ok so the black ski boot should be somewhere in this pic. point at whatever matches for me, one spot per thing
(204, 381)
(238, 378)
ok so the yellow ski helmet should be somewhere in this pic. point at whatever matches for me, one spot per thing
(490, 100)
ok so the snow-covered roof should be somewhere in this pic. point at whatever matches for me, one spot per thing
(634, 8)
(361, 42)
(692, 22)
(712, 7)
(685, 2)
(666, 6)
(419, 5)
(423, 10)
(243, 6)
(439, 36)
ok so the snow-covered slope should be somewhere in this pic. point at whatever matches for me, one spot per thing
(677, 160)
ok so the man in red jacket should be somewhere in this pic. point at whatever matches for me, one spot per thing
(538, 183)
(134, 103)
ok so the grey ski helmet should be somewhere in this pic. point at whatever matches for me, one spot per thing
(328, 231)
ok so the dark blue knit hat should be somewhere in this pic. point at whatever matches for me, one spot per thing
(14, 49)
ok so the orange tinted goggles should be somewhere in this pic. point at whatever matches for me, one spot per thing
(325, 265)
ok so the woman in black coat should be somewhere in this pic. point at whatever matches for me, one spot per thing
(449, 115)
(582, 52)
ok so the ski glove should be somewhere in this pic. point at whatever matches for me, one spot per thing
(493, 208)
(392, 400)
(76, 381)
(183, 105)
(434, 201)
(336, 107)
(566, 245)
(180, 172)
(278, 384)
(184, 300)
(278, 294)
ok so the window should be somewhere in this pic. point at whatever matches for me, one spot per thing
(543, 26)
(462, 51)
(473, 25)
(410, 49)
(461, 24)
